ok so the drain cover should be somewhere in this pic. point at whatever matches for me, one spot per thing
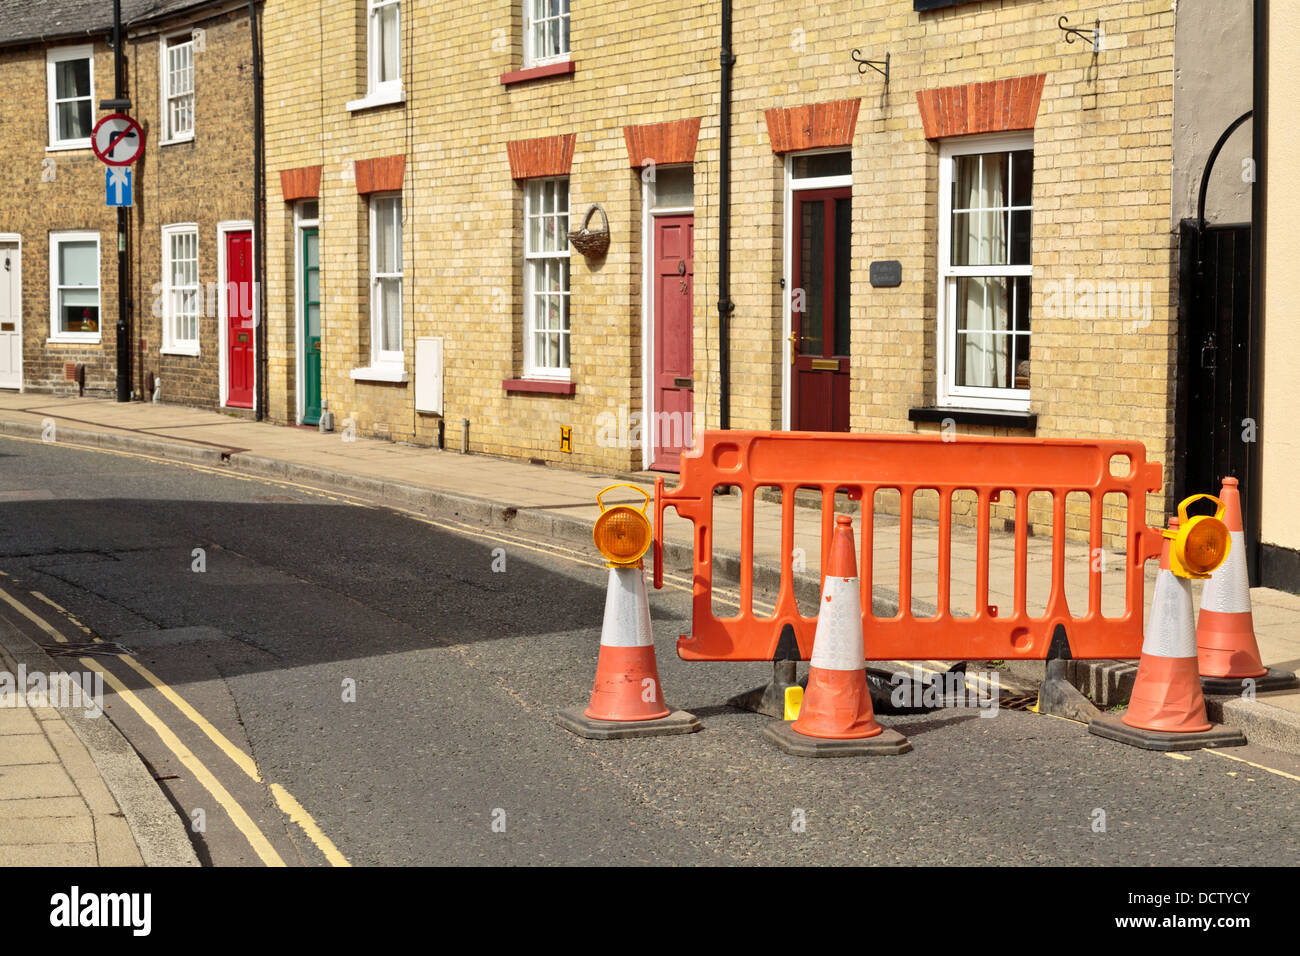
(86, 649)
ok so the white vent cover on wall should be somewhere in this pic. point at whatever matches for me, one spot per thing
(428, 376)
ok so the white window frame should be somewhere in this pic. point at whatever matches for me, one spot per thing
(52, 57)
(530, 59)
(791, 186)
(56, 331)
(531, 368)
(171, 343)
(386, 365)
(389, 91)
(948, 394)
(164, 89)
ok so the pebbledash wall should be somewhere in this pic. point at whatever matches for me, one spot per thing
(1103, 251)
(204, 180)
(1279, 428)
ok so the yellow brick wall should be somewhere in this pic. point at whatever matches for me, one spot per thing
(206, 181)
(33, 205)
(1101, 195)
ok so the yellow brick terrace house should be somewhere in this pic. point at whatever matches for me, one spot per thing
(187, 72)
(870, 215)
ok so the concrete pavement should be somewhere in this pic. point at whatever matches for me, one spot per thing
(73, 792)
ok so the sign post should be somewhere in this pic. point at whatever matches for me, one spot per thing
(119, 141)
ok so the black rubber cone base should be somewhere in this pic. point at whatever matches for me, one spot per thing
(575, 721)
(1273, 679)
(886, 743)
(1112, 727)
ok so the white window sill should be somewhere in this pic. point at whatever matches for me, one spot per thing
(380, 373)
(189, 138)
(983, 404)
(186, 350)
(71, 144)
(73, 340)
(549, 61)
(548, 375)
(378, 98)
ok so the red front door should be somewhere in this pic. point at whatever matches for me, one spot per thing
(672, 428)
(239, 319)
(819, 311)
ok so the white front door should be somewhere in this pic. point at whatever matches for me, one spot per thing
(11, 319)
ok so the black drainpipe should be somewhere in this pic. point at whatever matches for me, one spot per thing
(1259, 127)
(725, 305)
(259, 226)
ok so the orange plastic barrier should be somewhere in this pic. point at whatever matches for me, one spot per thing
(863, 464)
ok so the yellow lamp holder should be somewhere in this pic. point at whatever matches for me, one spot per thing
(622, 532)
(1200, 543)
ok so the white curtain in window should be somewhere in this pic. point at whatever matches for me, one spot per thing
(982, 308)
(980, 239)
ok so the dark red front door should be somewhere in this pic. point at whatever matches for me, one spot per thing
(239, 319)
(819, 310)
(674, 361)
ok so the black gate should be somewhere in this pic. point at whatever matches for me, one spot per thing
(1214, 426)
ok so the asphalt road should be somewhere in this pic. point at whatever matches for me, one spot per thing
(458, 670)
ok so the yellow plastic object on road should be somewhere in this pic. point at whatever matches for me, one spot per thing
(622, 532)
(1199, 544)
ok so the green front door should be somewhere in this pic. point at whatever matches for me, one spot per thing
(311, 325)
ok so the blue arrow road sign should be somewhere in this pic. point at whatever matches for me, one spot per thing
(117, 186)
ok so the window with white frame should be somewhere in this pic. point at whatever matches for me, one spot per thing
(74, 286)
(178, 89)
(985, 270)
(181, 297)
(546, 278)
(546, 31)
(384, 47)
(70, 89)
(386, 281)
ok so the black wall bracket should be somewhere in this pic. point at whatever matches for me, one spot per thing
(1092, 36)
(880, 66)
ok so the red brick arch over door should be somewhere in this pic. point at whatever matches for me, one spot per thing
(814, 126)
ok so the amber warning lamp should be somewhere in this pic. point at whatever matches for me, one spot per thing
(622, 532)
(1199, 544)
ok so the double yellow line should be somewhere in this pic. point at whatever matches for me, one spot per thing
(206, 778)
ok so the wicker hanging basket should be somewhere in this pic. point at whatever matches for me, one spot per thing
(592, 243)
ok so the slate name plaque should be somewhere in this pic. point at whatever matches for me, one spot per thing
(886, 273)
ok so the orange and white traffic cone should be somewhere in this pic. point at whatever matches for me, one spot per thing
(627, 699)
(836, 718)
(1225, 629)
(1166, 710)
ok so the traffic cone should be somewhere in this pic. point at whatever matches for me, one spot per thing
(627, 699)
(836, 718)
(1225, 631)
(1166, 710)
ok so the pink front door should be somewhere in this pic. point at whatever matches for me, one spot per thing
(672, 428)
(239, 319)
